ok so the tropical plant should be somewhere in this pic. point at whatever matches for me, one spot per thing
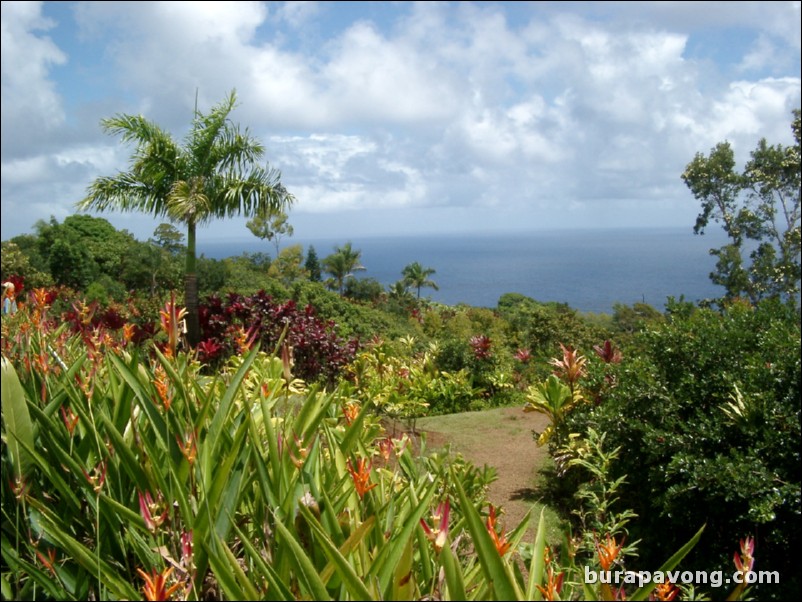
(341, 265)
(416, 276)
(214, 174)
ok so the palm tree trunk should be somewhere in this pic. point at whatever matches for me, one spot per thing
(191, 289)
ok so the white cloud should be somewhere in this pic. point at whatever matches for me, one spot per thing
(31, 105)
(575, 109)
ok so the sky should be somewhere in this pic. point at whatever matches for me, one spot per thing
(404, 118)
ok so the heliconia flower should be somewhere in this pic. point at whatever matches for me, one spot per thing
(188, 447)
(608, 552)
(351, 411)
(665, 592)
(746, 560)
(361, 476)
(438, 532)
(499, 539)
(245, 339)
(19, 487)
(98, 476)
(150, 511)
(155, 585)
(386, 447)
(300, 454)
(70, 419)
(49, 560)
(173, 324)
(162, 384)
(554, 585)
(128, 332)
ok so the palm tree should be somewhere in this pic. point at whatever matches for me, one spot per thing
(214, 174)
(417, 276)
(341, 264)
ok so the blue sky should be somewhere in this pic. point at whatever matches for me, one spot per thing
(395, 118)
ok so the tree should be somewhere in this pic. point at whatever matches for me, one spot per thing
(168, 238)
(288, 265)
(341, 264)
(214, 174)
(312, 264)
(271, 227)
(759, 210)
(416, 276)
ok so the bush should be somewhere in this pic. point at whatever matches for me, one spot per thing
(708, 422)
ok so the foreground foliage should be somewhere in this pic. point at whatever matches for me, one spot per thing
(132, 473)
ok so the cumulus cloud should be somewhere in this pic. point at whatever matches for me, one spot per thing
(546, 109)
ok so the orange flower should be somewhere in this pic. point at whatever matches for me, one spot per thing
(48, 561)
(499, 539)
(361, 476)
(154, 588)
(746, 560)
(173, 324)
(665, 592)
(608, 552)
(162, 384)
(554, 585)
(351, 411)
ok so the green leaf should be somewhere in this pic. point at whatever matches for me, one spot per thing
(306, 569)
(537, 565)
(453, 572)
(390, 554)
(17, 420)
(86, 558)
(500, 581)
(344, 568)
(229, 573)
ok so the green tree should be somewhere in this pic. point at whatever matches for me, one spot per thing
(16, 263)
(416, 276)
(312, 265)
(288, 265)
(271, 227)
(759, 210)
(214, 174)
(168, 238)
(342, 264)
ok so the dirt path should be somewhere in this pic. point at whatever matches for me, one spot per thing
(501, 438)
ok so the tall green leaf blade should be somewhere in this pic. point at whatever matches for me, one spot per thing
(306, 569)
(17, 420)
(346, 571)
(537, 565)
(501, 582)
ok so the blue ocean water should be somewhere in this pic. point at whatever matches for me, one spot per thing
(590, 270)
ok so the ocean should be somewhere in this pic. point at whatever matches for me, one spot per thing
(590, 270)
